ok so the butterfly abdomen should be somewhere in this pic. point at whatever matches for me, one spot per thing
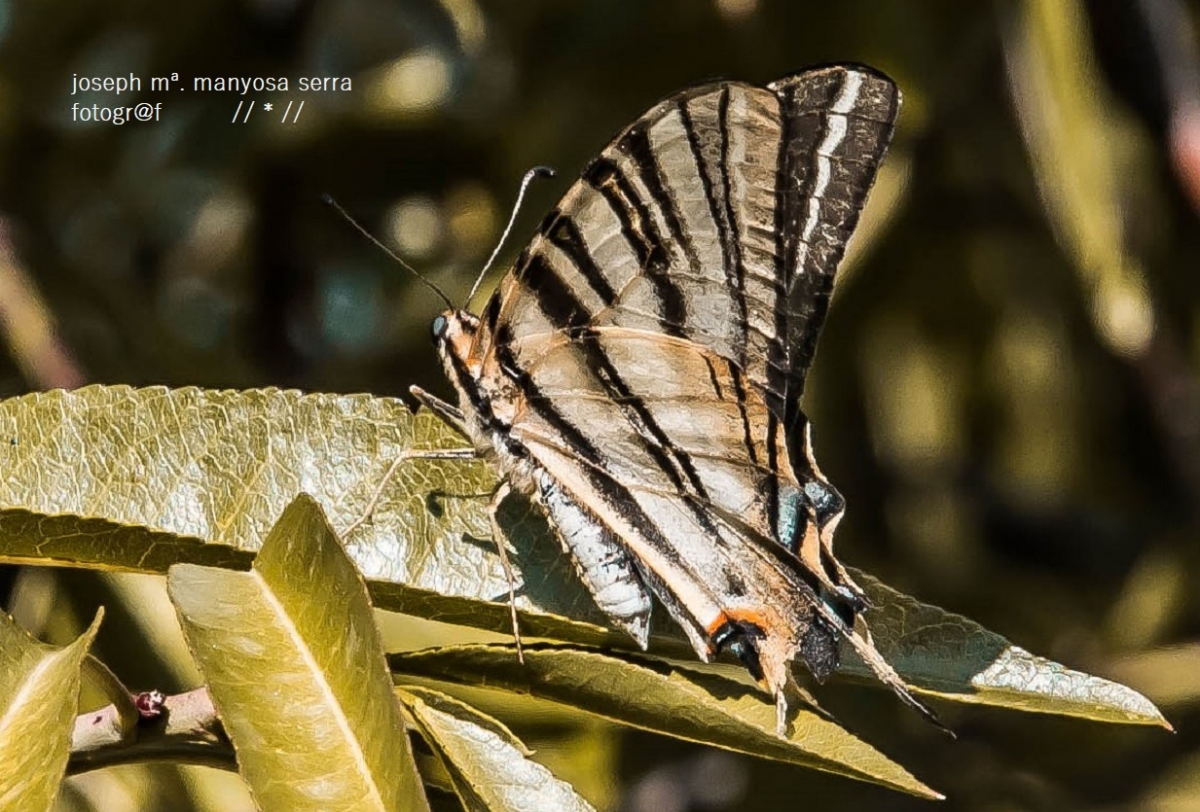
(603, 562)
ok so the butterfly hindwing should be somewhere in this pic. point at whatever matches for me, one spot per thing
(838, 123)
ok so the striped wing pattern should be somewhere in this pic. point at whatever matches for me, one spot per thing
(639, 371)
(690, 511)
(720, 216)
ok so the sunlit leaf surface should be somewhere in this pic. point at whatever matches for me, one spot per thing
(490, 768)
(295, 667)
(953, 657)
(140, 479)
(651, 695)
(39, 695)
(194, 475)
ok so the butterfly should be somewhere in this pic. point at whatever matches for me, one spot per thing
(639, 370)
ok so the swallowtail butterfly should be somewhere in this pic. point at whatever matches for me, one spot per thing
(640, 369)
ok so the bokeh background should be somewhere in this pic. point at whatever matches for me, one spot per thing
(1006, 391)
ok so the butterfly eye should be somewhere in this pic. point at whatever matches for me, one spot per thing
(438, 328)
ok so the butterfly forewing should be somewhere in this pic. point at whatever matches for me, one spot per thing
(720, 216)
(837, 126)
(639, 370)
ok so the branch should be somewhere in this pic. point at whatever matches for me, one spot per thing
(179, 728)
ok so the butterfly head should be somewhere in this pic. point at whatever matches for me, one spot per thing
(453, 333)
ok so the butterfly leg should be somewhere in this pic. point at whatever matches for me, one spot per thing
(403, 457)
(498, 496)
(454, 418)
(450, 415)
(793, 690)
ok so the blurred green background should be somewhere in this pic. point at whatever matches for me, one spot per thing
(1006, 391)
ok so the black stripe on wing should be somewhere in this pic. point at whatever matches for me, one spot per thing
(639, 228)
(565, 234)
(837, 123)
(561, 307)
(735, 269)
(637, 147)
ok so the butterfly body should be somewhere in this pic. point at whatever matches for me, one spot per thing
(639, 371)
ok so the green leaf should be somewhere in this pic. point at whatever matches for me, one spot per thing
(489, 766)
(39, 697)
(140, 479)
(652, 695)
(129, 461)
(952, 657)
(294, 662)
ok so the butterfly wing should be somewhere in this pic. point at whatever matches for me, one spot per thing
(837, 124)
(660, 438)
(651, 434)
(649, 349)
(719, 216)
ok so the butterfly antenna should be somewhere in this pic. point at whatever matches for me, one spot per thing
(329, 201)
(537, 171)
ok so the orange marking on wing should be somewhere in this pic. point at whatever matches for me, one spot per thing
(766, 621)
(716, 625)
(752, 618)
